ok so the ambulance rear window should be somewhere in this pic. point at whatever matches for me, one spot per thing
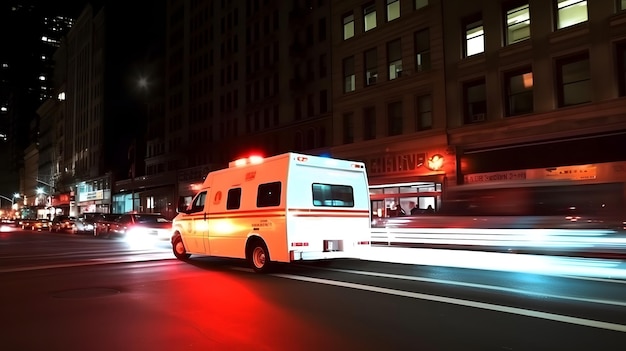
(333, 195)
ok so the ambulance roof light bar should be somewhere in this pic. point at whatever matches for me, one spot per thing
(252, 160)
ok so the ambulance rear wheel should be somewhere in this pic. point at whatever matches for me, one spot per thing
(179, 248)
(259, 257)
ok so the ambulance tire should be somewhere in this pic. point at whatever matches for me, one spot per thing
(179, 248)
(259, 256)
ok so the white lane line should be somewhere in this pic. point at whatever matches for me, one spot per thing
(466, 303)
(479, 286)
(91, 262)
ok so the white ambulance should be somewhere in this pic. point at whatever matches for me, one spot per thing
(278, 209)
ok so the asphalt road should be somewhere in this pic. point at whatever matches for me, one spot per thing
(67, 292)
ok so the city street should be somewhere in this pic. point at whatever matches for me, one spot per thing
(75, 292)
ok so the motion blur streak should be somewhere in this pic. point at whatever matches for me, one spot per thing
(466, 303)
(479, 286)
(508, 239)
(538, 264)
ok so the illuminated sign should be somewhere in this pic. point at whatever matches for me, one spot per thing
(395, 163)
(494, 176)
(571, 172)
(91, 195)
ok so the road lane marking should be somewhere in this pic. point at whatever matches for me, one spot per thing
(90, 262)
(479, 286)
(460, 302)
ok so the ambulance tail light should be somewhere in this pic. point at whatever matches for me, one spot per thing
(357, 166)
(302, 158)
(299, 244)
(362, 242)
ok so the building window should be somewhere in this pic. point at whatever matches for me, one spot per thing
(424, 112)
(323, 67)
(393, 10)
(574, 80)
(348, 127)
(475, 101)
(570, 12)
(517, 22)
(369, 16)
(519, 92)
(394, 118)
(621, 66)
(348, 75)
(348, 26)
(371, 66)
(418, 4)
(394, 57)
(422, 50)
(474, 36)
(323, 101)
(369, 123)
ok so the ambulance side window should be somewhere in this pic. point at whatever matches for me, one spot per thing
(234, 199)
(268, 194)
(198, 203)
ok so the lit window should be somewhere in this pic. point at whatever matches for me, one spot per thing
(574, 80)
(420, 3)
(393, 10)
(517, 23)
(474, 37)
(422, 50)
(371, 64)
(519, 85)
(369, 16)
(571, 12)
(348, 26)
(349, 83)
(475, 101)
(394, 56)
(622, 5)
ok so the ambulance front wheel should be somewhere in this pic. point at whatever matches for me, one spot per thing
(179, 248)
(259, 257)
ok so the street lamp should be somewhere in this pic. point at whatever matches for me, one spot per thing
(12, 199)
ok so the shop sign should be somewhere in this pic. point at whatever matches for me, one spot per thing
(396, 163)
(91, 195)
(583, 172)
(495, 176)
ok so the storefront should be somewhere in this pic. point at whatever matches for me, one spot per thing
(406, 178)
(94, 195)
(61, 204)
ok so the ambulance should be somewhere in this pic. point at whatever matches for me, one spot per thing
(284, 208)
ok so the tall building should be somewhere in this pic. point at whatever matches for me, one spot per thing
(96, 112)
(31, 32)
(240, 77)
(389, 99)
(536, 96)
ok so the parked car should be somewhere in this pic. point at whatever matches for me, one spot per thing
(62, 223)
(105, 224)
(39, 224)
(84, 223)
(138, 226)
